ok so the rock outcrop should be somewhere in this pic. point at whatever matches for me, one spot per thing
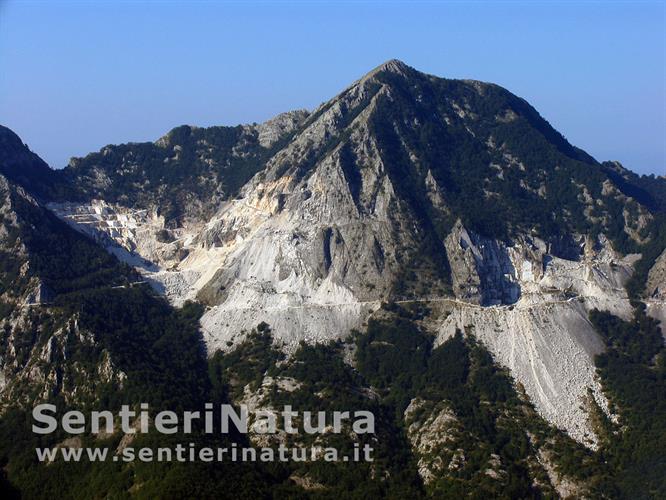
(656, 282)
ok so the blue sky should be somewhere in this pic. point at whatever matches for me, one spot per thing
(75, 76)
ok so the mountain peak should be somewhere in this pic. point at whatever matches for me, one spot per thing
(394, 66)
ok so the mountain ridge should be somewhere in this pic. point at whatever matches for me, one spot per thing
(404, 188)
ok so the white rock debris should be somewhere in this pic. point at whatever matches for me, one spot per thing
(259, 264)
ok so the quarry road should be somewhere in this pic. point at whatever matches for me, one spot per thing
(519, 305)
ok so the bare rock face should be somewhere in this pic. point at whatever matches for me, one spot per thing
(545, 337)
(140, 238)
(656, 282)
(542, 333)
(481, 269)
(304, 249)
(40, 294)
(274, 129)
(655, 291)
(433, 433)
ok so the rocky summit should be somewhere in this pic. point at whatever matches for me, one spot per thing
(451, 205)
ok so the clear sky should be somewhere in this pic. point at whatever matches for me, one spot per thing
(75, 76)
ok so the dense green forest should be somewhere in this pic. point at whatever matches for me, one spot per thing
(633, 372)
